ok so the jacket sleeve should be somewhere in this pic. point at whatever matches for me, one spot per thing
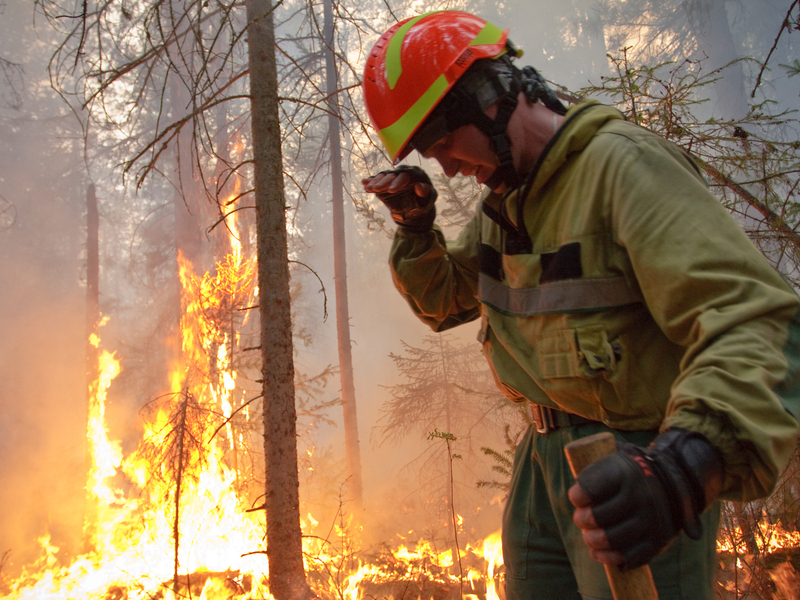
(711, 291)
(438, 279)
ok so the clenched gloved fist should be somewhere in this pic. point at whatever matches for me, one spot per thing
(408, 194)
(641, 498)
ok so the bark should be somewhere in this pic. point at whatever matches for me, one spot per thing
(186, 205)
(284, 544)
(352, 446)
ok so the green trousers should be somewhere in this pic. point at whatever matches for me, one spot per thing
(543, 550)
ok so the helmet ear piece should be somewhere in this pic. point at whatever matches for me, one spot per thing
(512, 50)
(536, 89)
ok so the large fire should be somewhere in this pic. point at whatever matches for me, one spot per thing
(171, 521)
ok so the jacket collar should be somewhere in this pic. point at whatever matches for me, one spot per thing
(581, 123)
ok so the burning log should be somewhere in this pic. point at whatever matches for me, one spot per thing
(230, 584)
(212, 584)
(787, 580)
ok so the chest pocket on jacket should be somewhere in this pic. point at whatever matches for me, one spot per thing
(583, 352)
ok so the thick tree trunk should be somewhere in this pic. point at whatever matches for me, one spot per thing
(284, 544)
(340, 273)
(709, 21)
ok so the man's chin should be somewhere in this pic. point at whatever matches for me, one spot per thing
(498, 187)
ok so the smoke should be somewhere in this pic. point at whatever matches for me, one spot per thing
(42, 396)
(42, 381)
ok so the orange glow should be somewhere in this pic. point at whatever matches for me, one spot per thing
(132, 500)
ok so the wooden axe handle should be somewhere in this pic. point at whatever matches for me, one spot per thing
(636, 584)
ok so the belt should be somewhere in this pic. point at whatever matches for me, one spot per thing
(546, 419)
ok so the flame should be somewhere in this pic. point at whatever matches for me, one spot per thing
(170, 519)
(493, 554)
(106, 454)
(769, 538)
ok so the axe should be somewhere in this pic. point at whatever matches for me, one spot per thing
(635, 584)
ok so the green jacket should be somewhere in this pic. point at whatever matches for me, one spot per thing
(622, 291)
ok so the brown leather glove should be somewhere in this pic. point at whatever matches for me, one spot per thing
(408, 209)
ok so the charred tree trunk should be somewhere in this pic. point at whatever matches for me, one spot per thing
(747, 524)
(284, 544)
(185, 204)
(180, 455)
(340, 272)
(92, 282)
(186, 232)
(92, 353)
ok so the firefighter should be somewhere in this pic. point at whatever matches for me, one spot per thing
(614, 293)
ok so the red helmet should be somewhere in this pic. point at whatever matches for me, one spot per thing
(415, 63)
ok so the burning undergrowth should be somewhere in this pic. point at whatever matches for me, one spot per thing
(181, 516)
(758, 553)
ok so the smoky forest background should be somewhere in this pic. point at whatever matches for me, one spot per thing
(180, 199)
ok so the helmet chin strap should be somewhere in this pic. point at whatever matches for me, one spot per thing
(536, 90)
(497, 131)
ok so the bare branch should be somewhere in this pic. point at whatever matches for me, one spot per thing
(784, 27)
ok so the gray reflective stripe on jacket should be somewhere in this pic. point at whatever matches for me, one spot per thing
(556, 297)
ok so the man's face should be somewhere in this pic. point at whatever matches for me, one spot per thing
(467, 151)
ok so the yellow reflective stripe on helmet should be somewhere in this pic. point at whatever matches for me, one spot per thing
(490, 34)
(394, 67)
(395, 136)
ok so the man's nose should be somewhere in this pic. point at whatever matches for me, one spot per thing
(449, 166)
